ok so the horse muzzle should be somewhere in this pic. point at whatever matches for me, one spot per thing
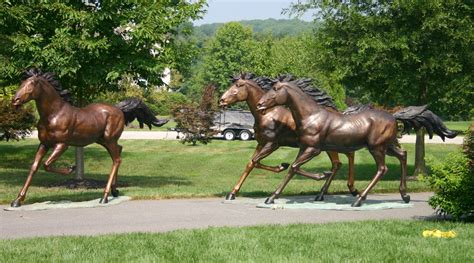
(17, 102)
(223, 104)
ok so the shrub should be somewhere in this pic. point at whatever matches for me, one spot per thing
(195, 121)
(15, 124)
(453, 181)
(162, 102)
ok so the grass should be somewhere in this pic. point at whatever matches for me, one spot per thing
(156, 169)
(134, 126)
(366, 241)
(459, 126)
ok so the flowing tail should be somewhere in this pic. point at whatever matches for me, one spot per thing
(136, 108)
(417, 117)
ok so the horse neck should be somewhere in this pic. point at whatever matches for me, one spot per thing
(48, 100)
(301, 105)
(254, 93)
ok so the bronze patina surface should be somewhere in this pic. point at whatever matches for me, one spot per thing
(274, 128)
(62, 125)
(320, 129)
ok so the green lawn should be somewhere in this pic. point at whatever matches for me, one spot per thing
(366, 241)
(460, 126)
(156, 169)
(134, 126)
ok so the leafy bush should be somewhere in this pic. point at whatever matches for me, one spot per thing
(453, 181)
(195, 121)
(162, 102)
(15, 124)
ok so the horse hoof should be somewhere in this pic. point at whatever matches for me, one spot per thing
(72, 168)
(230, 196)
(16, 203)
(284, 166)
(354, 193)
(357, 203)
(104, 200)
(269, 201)
(319, 198)
(406, 198)
(115, 192)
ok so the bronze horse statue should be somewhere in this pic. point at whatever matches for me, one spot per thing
(276, 128)
(322, 130)
(62, 125)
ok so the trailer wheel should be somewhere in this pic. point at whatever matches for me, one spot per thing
(229, 135)
(245, 135)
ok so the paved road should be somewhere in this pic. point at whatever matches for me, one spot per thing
(168, 215)
(171, 135)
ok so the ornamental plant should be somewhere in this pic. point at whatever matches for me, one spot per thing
(453, 181)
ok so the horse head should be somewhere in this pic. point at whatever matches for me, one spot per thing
(238, 91)
(278, 95)
(28, 90)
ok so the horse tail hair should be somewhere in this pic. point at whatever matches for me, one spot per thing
(416, 117)
(134, 108)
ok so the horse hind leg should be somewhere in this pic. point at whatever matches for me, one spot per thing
(401, 155)
(336, 164)
(379, 156)
(114, 150)
(350, 177)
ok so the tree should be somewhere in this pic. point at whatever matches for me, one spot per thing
(195, 121)
(399, 53)
(224, 55)
(90, 47)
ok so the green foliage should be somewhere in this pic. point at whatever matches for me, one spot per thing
(90, 48)
(195, 121)
(453, 182)
(399, 52)
(236, 48)
(15, 124)
(162, 102)
(277, 28)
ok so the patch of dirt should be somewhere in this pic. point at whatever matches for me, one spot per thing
(84, 184)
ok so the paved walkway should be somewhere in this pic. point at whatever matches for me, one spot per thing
(168, 215)
(172, 135)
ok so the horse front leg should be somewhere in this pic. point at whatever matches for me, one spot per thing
(58, 150)
(260, 153)
(336, 164)
(40, 153)
(303, 157)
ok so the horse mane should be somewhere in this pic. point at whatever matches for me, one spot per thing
(51, 78)
(307, 86)
(265, 83)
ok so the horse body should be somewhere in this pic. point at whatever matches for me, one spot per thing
(62, 125)
(323, 130)
(81, 126)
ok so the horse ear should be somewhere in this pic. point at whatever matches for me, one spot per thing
(242, 75)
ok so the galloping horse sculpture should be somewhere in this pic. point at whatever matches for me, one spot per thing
(62, 125)
(275, 128)
(320, 129)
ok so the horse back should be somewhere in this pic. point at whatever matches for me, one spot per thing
(368, 128)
